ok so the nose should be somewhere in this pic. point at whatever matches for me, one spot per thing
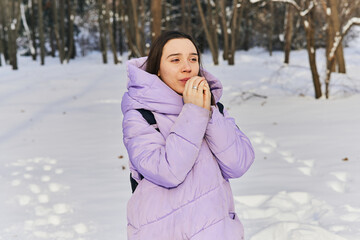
(186, 67)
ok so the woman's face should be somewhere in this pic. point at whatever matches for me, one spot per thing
(179, 62)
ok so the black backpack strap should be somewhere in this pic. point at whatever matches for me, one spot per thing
(220, 107)
(134, 182)
(148, 116)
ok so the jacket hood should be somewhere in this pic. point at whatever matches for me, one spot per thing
(149, 92)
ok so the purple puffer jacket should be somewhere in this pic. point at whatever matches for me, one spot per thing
(185, 193)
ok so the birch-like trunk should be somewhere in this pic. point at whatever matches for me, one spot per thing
(334, 29)
(33, 27)
(2, 31)
(336, 44)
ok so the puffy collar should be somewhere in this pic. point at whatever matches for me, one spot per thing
(148, 91)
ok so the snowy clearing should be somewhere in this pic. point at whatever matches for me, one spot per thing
(64, 170)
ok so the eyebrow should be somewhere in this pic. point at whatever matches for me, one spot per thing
(177, 54)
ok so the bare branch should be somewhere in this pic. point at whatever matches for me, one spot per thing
(339, 37)
(292, 2)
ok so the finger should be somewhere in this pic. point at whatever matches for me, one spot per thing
(188, 86)
(197, 81)
(207, 88)
(201, 87)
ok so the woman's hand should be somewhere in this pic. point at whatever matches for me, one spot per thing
(197, 92)
(207, 96)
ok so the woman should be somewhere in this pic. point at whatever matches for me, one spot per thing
(187, 162)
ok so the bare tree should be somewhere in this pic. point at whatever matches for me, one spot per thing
(26, 28)
(209, 38)
(271, 29)
(336, 44)
(41, 32)
(111, 36)
(11, 23)
(121, 25)
(62, 30)
(101, 20)
(56, 31)
(70, 32)
(234, 21)
(156, 10)
(289, 26)
(307, 17)
(33, 27)
(333, 28)
(221, 6)
(2, 30)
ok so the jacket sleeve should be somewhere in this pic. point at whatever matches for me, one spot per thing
(165, 162)
(232, 149)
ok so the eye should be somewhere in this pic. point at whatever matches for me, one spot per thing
(194, 59)
(175, 60)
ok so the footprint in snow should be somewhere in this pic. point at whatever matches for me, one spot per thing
(35, 179)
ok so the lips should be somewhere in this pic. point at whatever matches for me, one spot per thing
(184, 79)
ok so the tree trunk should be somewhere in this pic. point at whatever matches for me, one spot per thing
(221, 5)
(334, 24)
(136, 26)
(56, 31)
(111, 36)
(289, 23)
(41, 33)
(234, 21)
(2, 30)
(189, 17)
(156, 11)
(271, 29)
(33, 28)
(207, 34)
(143, 49)
(70, 30)
(309, 29)
(14, 27)
(115, 18)
(332, 52)
(183, 16)
(62, 29)
(129, 31)
(121, 26)
(247, 27)
(102, 31)
(52, 45)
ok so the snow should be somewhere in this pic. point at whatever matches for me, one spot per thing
(64, 170)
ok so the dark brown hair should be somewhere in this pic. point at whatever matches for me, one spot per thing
(156, 49)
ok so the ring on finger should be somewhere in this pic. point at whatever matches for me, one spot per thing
(195, 87)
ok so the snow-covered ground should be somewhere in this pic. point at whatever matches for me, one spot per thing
(64, 170)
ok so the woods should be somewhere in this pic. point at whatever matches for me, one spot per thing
(68, 28)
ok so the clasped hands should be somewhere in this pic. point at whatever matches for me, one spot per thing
(197, 91)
